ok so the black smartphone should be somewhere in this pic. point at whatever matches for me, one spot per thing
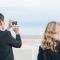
(14, 22)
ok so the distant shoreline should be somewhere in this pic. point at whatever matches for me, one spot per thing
(31, 36)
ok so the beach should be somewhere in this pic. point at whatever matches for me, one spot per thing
(29, 48)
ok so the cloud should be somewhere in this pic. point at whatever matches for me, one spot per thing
(30, 3)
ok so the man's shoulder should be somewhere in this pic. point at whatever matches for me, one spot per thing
(7, 32)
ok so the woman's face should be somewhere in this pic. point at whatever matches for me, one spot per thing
(53, 31)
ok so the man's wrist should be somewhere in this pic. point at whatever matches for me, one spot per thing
(17, 33)
(8, 29)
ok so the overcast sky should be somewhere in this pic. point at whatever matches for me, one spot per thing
(34, 14)
(30, 3)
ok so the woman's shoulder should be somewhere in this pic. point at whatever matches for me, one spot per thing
(44, 49)
(40, 49)
(58, 45)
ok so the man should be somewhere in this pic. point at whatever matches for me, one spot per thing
(7, 41)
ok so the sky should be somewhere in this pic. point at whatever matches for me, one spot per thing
(32, 15)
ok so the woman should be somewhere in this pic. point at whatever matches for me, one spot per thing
(50, 47)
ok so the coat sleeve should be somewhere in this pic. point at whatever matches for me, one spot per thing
(40, 54)
(14, 42)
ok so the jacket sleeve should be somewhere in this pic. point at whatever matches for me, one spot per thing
(14, 42)
(40, 54)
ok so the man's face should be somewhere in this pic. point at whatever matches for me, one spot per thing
(2, 24)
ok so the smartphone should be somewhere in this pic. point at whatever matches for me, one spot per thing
(14, 22)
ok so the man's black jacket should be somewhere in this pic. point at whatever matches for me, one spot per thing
(6, 44)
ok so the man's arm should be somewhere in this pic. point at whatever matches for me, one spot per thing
(14, 42)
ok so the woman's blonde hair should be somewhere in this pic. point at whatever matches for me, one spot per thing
(50, 44)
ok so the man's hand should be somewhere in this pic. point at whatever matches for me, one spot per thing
(9, 24)
(16, 29)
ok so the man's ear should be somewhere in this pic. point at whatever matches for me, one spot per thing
(0, 23)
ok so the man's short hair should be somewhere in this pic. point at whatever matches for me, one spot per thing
(1, 17)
